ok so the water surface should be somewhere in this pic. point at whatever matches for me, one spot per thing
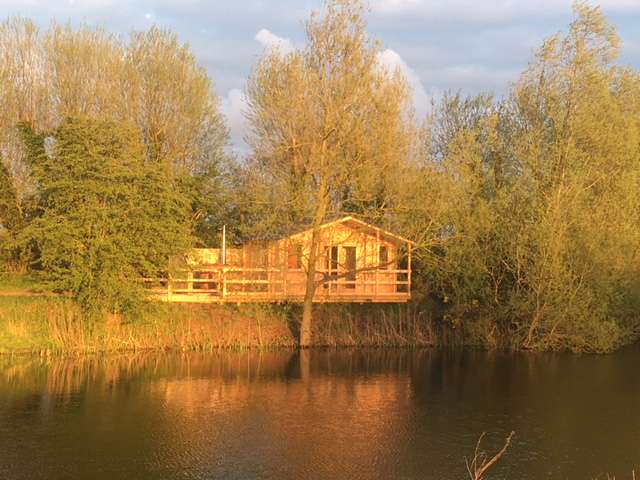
(320, 415)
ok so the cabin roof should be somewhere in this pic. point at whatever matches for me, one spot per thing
(357, 224)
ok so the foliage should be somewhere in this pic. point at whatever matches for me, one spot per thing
(107, 218)
(149, 80)
(111, 153)
(529, 206)
(8, 211)
(21, 283)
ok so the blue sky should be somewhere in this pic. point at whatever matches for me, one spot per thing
(467, 45)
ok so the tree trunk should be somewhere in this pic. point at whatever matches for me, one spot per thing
(310, 290)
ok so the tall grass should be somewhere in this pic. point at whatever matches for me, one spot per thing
(49, 325)
(55, 325)
(401, 325)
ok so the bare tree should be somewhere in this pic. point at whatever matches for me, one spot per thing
(330, 123)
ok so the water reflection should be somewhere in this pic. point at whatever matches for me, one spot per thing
(318, 415)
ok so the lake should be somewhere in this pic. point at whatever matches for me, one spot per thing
(379, 414)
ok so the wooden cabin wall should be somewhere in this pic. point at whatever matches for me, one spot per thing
(289, 256)
(256, 255)
(367, 252)
(204, 256)
(279, 267)
(276, 270)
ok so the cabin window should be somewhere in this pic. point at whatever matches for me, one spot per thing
(384, 257)
(331, 263)
(294, 260)
(350, 264)
(331, 260)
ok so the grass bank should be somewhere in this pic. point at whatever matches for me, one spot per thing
(32, 320)
(57, 325)
(50, 325)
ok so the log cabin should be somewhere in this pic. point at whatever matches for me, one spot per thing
(357, 263)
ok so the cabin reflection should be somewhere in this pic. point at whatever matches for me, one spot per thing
(313, 414)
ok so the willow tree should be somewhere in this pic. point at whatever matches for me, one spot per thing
(24, 93)
(150, 80)
(580, 156)
(330, 124)
(173, 102)
(531, 205)
(85, 74)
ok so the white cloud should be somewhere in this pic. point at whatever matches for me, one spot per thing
(270, 40)
(421, 99)
(233, 107)
(234, 104)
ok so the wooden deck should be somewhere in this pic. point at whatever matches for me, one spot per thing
(237, 285)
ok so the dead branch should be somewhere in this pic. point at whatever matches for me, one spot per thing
(479, 465)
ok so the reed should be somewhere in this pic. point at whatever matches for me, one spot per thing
(374, 326)
(52, 325)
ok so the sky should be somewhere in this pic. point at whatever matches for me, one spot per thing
(470, 46)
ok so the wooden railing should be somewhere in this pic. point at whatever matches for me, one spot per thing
(218, 284)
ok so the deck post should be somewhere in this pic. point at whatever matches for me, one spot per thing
(328, 274)
(329, 264)
(285, 268)
(224, 244)
(169, 288)
(376, 257)
(189, 281)
(269, 275)
(224, 283)
(409, 270)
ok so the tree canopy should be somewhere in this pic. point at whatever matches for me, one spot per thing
(330, 125)
(528, 206)
(106, 218)
(150, 81)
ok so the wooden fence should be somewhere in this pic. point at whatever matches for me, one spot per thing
(236, 284)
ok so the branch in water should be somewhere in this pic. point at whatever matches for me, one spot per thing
(479, 466)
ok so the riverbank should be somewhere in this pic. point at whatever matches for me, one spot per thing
(35, 320)
(44, 324)
(50, 325)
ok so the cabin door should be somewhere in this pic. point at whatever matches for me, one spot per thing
(350, 266)
(331, 264)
